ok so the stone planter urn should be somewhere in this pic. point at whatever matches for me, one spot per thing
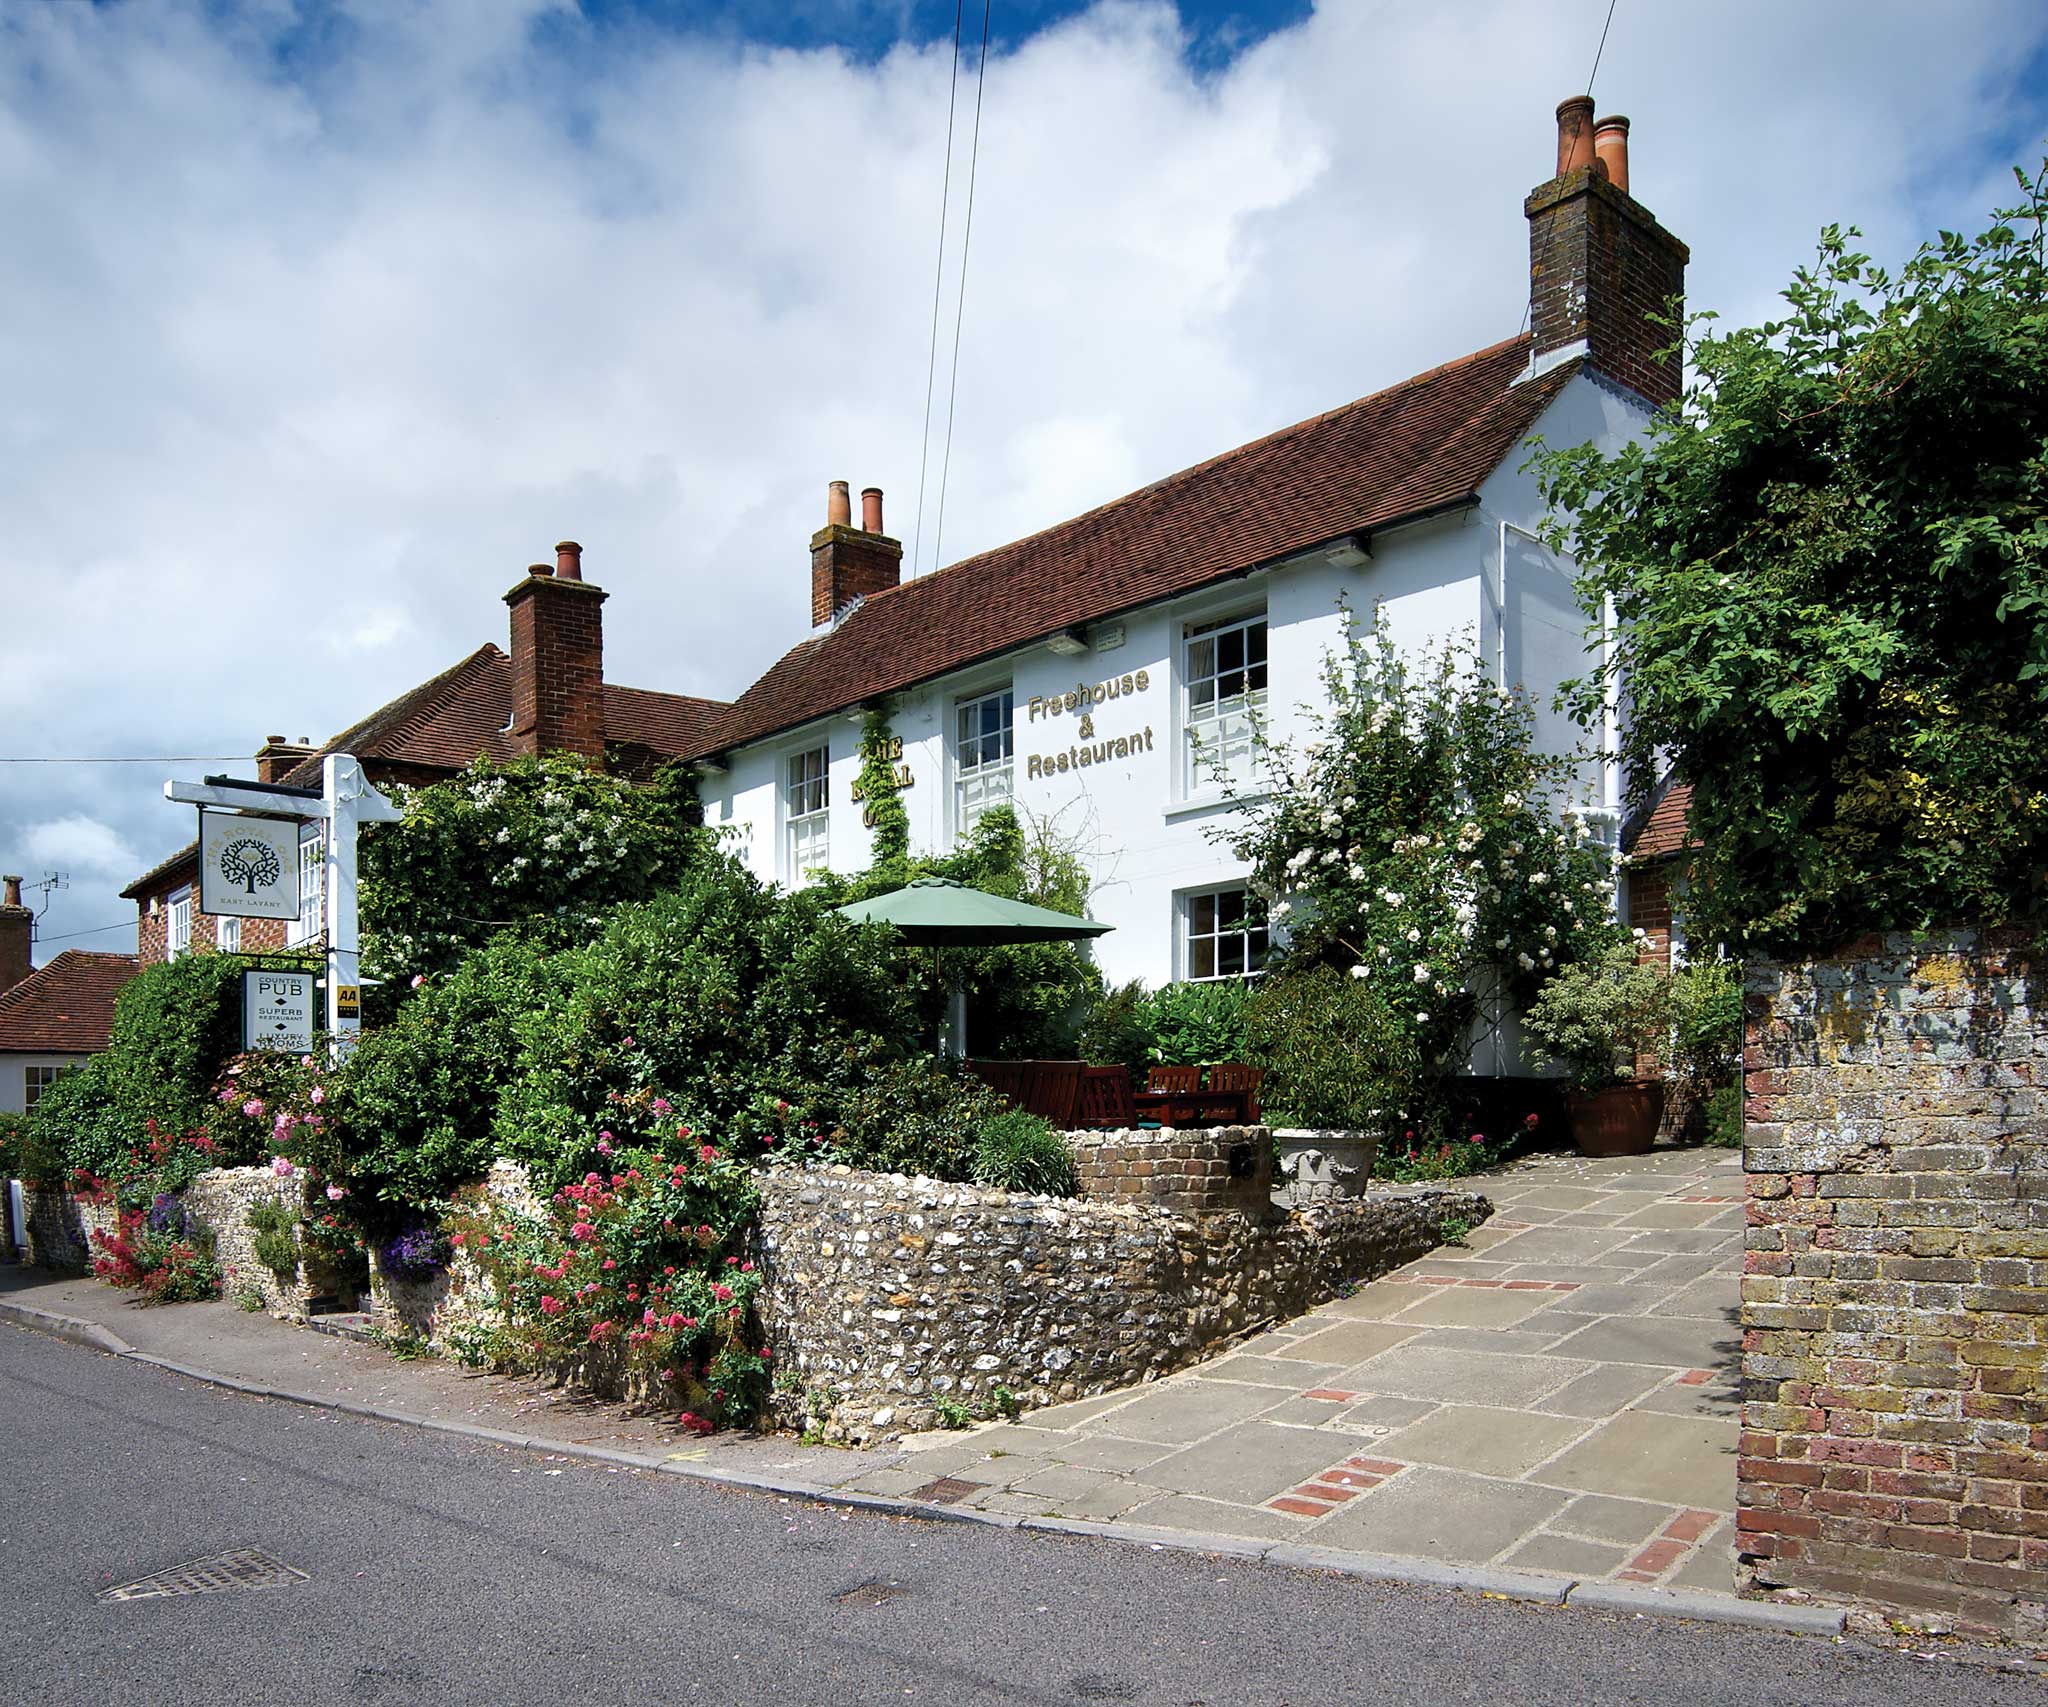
(1321, 1166)
(1621, 1120)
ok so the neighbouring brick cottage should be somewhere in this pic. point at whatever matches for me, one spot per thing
(548, 695)
(51, 1017)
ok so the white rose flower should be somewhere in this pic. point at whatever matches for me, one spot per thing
(1414, 934)
(1422, 1019)
(1422, 974)
(1359, 970)
(1525, 962)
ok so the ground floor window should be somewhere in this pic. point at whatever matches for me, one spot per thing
(1223, 935)
(227, 935)
(178, 925)
(36, 1080)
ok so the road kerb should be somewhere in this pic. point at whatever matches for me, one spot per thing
(1807, 1620)
(73, 1328)
(1474, 1579)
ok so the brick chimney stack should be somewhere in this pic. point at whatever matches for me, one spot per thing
(558, 658)
(17, 932)
(1599, 263)
(277, 758)
(849, 562)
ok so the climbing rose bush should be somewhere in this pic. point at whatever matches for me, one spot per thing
(1416, 841)
(645, 1264)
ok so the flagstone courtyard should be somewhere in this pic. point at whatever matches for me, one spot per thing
(1558, 1394)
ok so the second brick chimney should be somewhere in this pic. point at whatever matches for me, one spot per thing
(1599, 263)
(558, 658)
(17, 934)
(849, 562)
(277, 758)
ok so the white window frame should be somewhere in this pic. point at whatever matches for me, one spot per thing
(1224, 726)
(1188, 940)
(806, 808)
(227, 934)
(178, 923)
(982, 782)
(312, 920)
(39, 1077)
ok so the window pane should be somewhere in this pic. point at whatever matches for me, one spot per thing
(1230, 955)
(1202, 915)
(1201, 958)
(1255, 643)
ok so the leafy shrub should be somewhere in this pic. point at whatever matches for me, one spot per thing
(29, 1150)
(277, 1238)
(1118, 1028)
(550, 844)
(1193, 1024)
(914, 1117)
(1724, 1118)
(415, 1251)
(1334, 1055)
(268, 1102)
(1706, 1018)
(1020, 1152)
(1597, 1021)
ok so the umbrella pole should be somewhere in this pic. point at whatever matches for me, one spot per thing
(953, 1021)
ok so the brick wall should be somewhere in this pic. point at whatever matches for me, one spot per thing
(558, 666)
(1895, 1299)
(847, 564)
(1599, 266)
(1212, 1171)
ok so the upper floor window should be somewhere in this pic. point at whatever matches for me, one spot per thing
(312, 919)
(1223, 676)
(982, 745)
(806, 818)
(1222, 935)
(178, 925)
(227, 935)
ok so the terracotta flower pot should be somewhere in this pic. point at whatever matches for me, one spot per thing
(1619, 1121)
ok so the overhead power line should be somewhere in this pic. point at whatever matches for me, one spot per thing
(1602, 48)
(931, 366)
(97, 930)
(126, 759)
(960, 312)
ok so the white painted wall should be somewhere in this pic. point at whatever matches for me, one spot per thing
(14, 1068)
(1148, 837)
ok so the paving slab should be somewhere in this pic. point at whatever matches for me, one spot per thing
(1712, 1565)
(1072, 1414)
(1546, 1552)
(1374, 1303)
(1453, 1377)
(1177, 1412)
(1713, 1296)
(1477, 1307)
(1626, 1523)
(1602, 1391)
(1584, 1246)
(1249, 1463)
(1083, 1493)
(1685, 1461)
(1434, 1513)
(1111, 1452)
(1676, 1342)
(1286, 1375)
(1213, 1517)
(1344, 1343)
(1491, 1441)
(1386, 1411)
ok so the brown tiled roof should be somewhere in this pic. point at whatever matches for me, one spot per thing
(66, 1007)
(1667, 830)
(1419, 446)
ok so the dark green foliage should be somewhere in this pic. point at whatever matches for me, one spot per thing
(881, 797)
(1706, 1023)
(914, 1116)
(174, 1024)
(1597, 1021)
(1195, 1024)
(550, 845)
(277, 1238)
(29, 1150)
(1118, 1028)
(1333, 1053)
(1021, 1152)
(1830, 569)
(1724, 1118)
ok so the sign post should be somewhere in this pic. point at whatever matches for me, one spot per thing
(344, 800)
(277, 1011)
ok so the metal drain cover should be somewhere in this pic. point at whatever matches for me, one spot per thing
(871, 1593)
(249, 1567)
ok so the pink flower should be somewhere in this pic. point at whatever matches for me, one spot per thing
(418, 978)
(661, 1105)
(609, 1262)
(708, 1152)
(319, 1095)
(583, 1231)
(253, 1108)
(335, 1193)
(722, 1293)
(459, 1240)
(282, 1167)
(550, 1305)
(629, 1043)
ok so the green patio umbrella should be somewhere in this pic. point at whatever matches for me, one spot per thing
(939, 913)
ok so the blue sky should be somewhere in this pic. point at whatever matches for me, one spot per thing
(325, 320)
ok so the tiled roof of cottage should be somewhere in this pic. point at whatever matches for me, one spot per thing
(448, 722)
(1417, 447)
(66, 1007)
(1667, 830)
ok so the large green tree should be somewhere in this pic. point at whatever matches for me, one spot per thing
(1829, 566)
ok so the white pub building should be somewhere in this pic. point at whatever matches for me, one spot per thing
(1080, 672)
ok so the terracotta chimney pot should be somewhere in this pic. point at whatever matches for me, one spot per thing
(568, 561)
(10, 892)
(838, 505)
(1574, 134)
(1610, 148)
(547, 569)
(871, 509)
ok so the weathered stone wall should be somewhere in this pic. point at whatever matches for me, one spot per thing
(60, 1227)
(459, 1298)
(220, 1199)
(1895, 1300)
(884, 1293)
(1201, 1171)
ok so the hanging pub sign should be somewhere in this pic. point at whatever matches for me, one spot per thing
(277, 1011)
(248, 867)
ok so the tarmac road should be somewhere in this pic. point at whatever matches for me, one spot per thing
(446, 1570)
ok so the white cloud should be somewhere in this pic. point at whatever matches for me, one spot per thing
(81, 844)
(308, 358)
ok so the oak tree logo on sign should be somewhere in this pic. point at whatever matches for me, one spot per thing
(249, 862)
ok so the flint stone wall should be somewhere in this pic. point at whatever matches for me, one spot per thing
(1895, 1294)
(1201, 1171)
(458, 1298)
(884, 1293)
